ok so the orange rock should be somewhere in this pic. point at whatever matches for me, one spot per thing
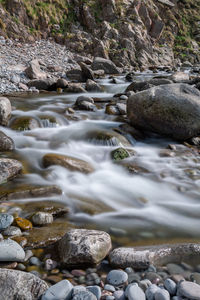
(24, 224)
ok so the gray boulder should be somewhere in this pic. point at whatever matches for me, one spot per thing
(107, 65)
(33, 71)
(170, 109)
(20, 285)
(87, 73)
(5, 111)
(6, 143)
(82, 247)
(92, 86)
(9, 168)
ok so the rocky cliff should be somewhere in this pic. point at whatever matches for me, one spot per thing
(130, 32)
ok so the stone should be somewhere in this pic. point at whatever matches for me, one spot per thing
(12, 231)
(144, 284)
(109, 287)
(167, 3)
(75, 75)
(24, 224)
(34, 261)
(61, 83)
(43, 84)
(172, 110)
(112, 110)
(162, 294)
(135, 293)
(189, 290)
(24, 123)
(117, 277)
(68, 162)
(85, 103)
(84, 295)
(159, 81)
(174, 269)
(87, 73)
(150, 292)
(61, 290)
(119, 295)
(92, 86)
(179, 77)
(42, 218)
(33, 71)
(77, 289)
(136, 86)
(5, 111)
(9, 168)
(82, 247)
(5, 221)
(20, 285)
(75, 88)
(6, 143)
(170, 285)
(119, 154)
(107, 65)
(11, 251)
(96, 290)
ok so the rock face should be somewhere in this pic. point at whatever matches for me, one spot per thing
(107, 65)
(82, 247)
(20, 285)
(5, 111)
(172, 110)
(9, 168)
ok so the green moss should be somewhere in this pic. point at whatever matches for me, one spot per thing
(119, 154)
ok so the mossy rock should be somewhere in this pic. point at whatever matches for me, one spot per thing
(24, 123)
(119, 154)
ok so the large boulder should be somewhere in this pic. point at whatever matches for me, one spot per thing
(20, 285)
(9, 168)
(107, 65)
(82, 247)
(5, 111)
(170, 109)
(33, 71)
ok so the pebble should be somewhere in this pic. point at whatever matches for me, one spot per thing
(117, 277)
(135, 293)
(110, 297)
(119, 295)
(83, 296)
(34, 261)
(144, 284)
(5, 221)
(12, 231)
(109, 287)
(42, 218)
(11, 251)
(21, 267)
(174, 269)
(96, 290)
(162, 294)
(189, 290)
(60, 290)
(77, 289)
(133, 277)
(170, 286)
(150, 292)
(28, 254)
(24, 224)
(50, 264)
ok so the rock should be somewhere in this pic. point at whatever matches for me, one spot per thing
(143, 257)
(96, 290)
(34, 71)
(61, 83)
(167, 3)
(122, 107)
(5, 221)
(34, 261)
(136, 86)
(150, 292)
(24, 123)
(68, 162)
(12, 231)
(159, 81)
(42, 218)
(48, 84)
(87, 73)
(162, 294)
(174, 269)
(112, 110)
(24, 224)
(20, 285)
(11, 251)
(119, 154)
(75, 88)
(109, 287)
(84, 295)
(85, 103)
(5, 111)
(107, 65)
(119, 295)
(117, 277)
(77, 289)
(92, 86)
(189, 290)
(111, 138)
(6, 143)
(179, 77)
(61, 290)
(172, 110)
(135, 293)
(82, 247)
(75, 74)
(170, 285)
(144, 284)
(9, 168)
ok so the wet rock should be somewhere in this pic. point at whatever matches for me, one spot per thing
(87, 73)
(43, 84)
(34, 71)
(75, 88)
(42, 218)
(108, 138)
(136, 86)
(122, 108)
(159, 81)
(5, 111)
(85, 103)
(5, 221)
(117, 277)
(6, 143)
(68, 162)
(46, 235)
(189, 290)
(12, 231)
(82, 247)
(74, 74)
(179, 77)
(107, 65)
(24, 224)
(61, 290)
(119, 154)
(172, 110)
(11, 251)
(24, 123)
(112, 110)
(92, 86)
(9, 168)
(20, 285)
(61, 83)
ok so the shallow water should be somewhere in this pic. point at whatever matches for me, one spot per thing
(162, 204)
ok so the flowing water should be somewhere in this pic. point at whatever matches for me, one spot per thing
(160, 204)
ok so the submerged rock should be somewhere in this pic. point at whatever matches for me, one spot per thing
(6, 143)
(24, 123)
(119, 154)
(42, 218)
(9, 168)
(68, 162)
(172, 110)
(82, 247)
(5, 111)
(20, 285)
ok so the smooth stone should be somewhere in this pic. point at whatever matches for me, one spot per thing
(110, 297)
(150, 292)
(170, 285)
(82, 247)
(9, 168)
(42, 218)
(61, 290)
(117, 277)
(34, 261)
(84, 296)
(24, 224)
(11, 251)
(119, 295)
(5, 111)
(12, 231)
(133, 277)
(5, 221)
(135, 293)
(144, 284)
(20, 285)
(189, 290)
(24, 123)
(77, 289)
(109, 287)
(174, 269)
(96, 290)
(162, 294)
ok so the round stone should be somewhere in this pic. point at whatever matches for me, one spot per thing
(144, 284)
(96, 290)
(117, 277)
(84, 296)
(77, 289)
(110, 297)
(119, 295)
(5, 221)
(189, 290)
(60, 290)
(170, 285)
(42, 218)
(109, 287)
(135, 293)
(24, 224)
(12, 231)
(162, 294)
(35, 261)
(150, 292)
(11, 251)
